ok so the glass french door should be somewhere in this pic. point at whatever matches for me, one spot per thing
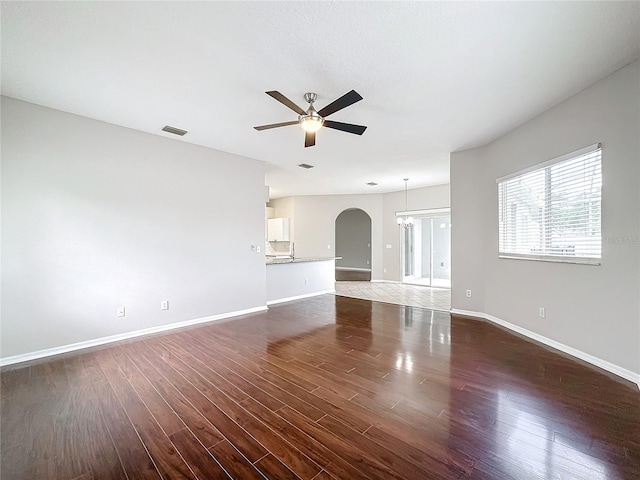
(426, 253)
(409, 251)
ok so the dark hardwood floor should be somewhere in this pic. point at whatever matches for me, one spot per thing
(353, 276)
(330, 387)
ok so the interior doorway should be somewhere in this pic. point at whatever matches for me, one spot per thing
(426, 250)
(353, 244)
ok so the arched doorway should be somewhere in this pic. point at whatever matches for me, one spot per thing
(353, 244)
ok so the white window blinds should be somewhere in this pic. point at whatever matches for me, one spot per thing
(552, 211)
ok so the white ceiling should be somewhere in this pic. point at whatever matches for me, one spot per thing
(435, 76)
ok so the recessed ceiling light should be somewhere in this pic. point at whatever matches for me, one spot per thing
(372, 184)
(306, 165)
(174, 130)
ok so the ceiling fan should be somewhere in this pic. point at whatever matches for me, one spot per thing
(311, 120)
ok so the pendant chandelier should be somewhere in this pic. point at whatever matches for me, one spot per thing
(405, 221)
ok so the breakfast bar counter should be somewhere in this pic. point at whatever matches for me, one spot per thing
(280, 260)
(300, 277)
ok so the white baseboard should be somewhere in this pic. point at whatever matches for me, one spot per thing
(598, 362)
(122, 336)
(353, 269)
(299, 297)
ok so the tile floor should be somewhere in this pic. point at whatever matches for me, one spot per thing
(398, 293)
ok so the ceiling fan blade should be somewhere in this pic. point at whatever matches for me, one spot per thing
(309, 139)
(276, 125)
(343, 102)
(285, 101)
(345, 127)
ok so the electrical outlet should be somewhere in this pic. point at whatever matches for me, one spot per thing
(329, 247)
(542, 312)
(164, 305)
(306, 281)
(258, 249)
(384, 270)
(120, 312)
(468, 293)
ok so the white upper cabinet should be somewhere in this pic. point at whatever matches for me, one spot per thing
(278, 230)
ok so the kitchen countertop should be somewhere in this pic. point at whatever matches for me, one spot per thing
(277, 261)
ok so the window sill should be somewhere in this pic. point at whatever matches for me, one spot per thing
(553, 259)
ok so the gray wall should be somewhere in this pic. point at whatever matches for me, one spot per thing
(96, 216)
(594, 309)
(470, 209)
(353, 239)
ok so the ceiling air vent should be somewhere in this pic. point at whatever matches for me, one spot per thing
(174, 130)
(372, 184)
(306, 165)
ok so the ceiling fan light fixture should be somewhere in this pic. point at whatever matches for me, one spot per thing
(311, 122)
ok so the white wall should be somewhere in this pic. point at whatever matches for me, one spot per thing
(594, 309)
(288, 281)
(419, 199)
(315, 222)
(314, 219)
(96, 216)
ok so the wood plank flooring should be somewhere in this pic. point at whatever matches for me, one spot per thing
(326, 388)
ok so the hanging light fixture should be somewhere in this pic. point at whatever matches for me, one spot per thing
(405, 221)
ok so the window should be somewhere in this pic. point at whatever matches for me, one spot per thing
(552, 211)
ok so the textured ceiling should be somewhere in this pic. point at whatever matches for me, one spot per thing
(435, 76)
